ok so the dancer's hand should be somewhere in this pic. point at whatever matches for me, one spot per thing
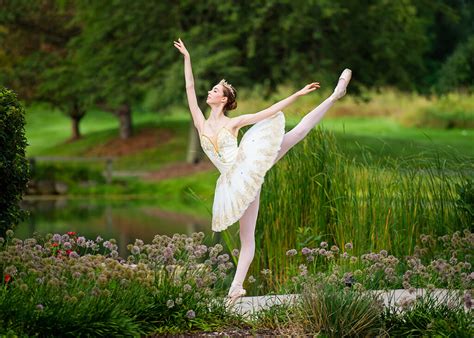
(308, 88)
(180, 46)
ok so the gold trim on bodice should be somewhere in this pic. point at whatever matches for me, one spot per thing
(216, 148)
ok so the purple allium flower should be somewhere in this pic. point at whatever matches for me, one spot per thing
(223, 258)
(187, 288)
(67, 245)
(135, 250)
(65, 238)
(303, 270)
(57, 238)
(334, 248)
(190, 314)
(99, 239)
(322, 252)
(291, 252)
(467, 299)
(40, 307)
(348, 246)
(345, 255)
(167, 253)
(235, 252)
(138, 242)
(170, 303)
(324, 244)
(73, 254)
(384, 253)
(306, 251)
(310, 258)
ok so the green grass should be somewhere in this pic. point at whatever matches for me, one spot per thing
(48, 131)
(316, 194)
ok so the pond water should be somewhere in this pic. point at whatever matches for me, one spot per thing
(123, 220)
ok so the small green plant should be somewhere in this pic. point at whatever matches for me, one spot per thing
(428, 315)
(338, 311)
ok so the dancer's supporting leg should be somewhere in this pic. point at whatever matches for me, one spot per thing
(247, 240)
(307, 123)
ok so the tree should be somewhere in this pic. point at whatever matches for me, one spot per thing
(36, 60)
(14, 172)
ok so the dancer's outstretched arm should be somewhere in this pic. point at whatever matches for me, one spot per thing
(247, 119)
(198, 117)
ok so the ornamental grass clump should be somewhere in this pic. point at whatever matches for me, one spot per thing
(337, 311)
(65, 284)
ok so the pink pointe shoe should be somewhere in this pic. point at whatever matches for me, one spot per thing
(340, 89)
(236, 291)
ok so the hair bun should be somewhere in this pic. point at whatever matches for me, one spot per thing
(232, 105)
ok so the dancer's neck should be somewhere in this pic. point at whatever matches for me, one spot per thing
(216, 114)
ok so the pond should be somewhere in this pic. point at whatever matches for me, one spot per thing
(124, 220)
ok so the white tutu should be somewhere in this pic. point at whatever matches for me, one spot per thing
(242, 167)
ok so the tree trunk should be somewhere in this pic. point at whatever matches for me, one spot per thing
(76, 133)
(76, 114)
(125, 117)
(194, 153)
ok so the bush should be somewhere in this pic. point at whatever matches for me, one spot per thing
(14, 171)
(67, 173)
(453, 110)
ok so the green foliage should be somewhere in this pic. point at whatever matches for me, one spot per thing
(458, 69)
(13, 164)
(67, 173)
(466, 198)
(447, 111)
(429, 316)
(115, 52)
(315, 186)
(338, 312)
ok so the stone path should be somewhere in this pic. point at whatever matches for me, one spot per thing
(249, 305)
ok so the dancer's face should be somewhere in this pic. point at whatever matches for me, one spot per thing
(216, 95)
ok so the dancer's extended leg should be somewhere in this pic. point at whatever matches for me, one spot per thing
(247, 240)
(307, 123)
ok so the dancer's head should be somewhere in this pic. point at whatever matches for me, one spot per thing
(223, 94)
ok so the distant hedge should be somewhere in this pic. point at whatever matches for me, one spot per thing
(14, 172)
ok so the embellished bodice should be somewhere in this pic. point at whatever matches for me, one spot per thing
(222, 151)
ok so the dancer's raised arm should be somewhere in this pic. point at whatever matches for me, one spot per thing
(198, 117)
(247, 119)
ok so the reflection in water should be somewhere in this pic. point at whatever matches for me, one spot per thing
(124, 220)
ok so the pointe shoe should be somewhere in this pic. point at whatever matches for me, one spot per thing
(236, 291)
(340, 89)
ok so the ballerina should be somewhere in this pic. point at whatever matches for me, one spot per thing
(243, 166)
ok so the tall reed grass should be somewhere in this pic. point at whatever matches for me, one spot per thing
(316, 194)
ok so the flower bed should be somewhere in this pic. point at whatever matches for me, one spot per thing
(67, 284)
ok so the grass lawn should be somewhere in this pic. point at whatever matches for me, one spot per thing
(48, 132)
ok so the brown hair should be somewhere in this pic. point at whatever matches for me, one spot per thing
(231, 95)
